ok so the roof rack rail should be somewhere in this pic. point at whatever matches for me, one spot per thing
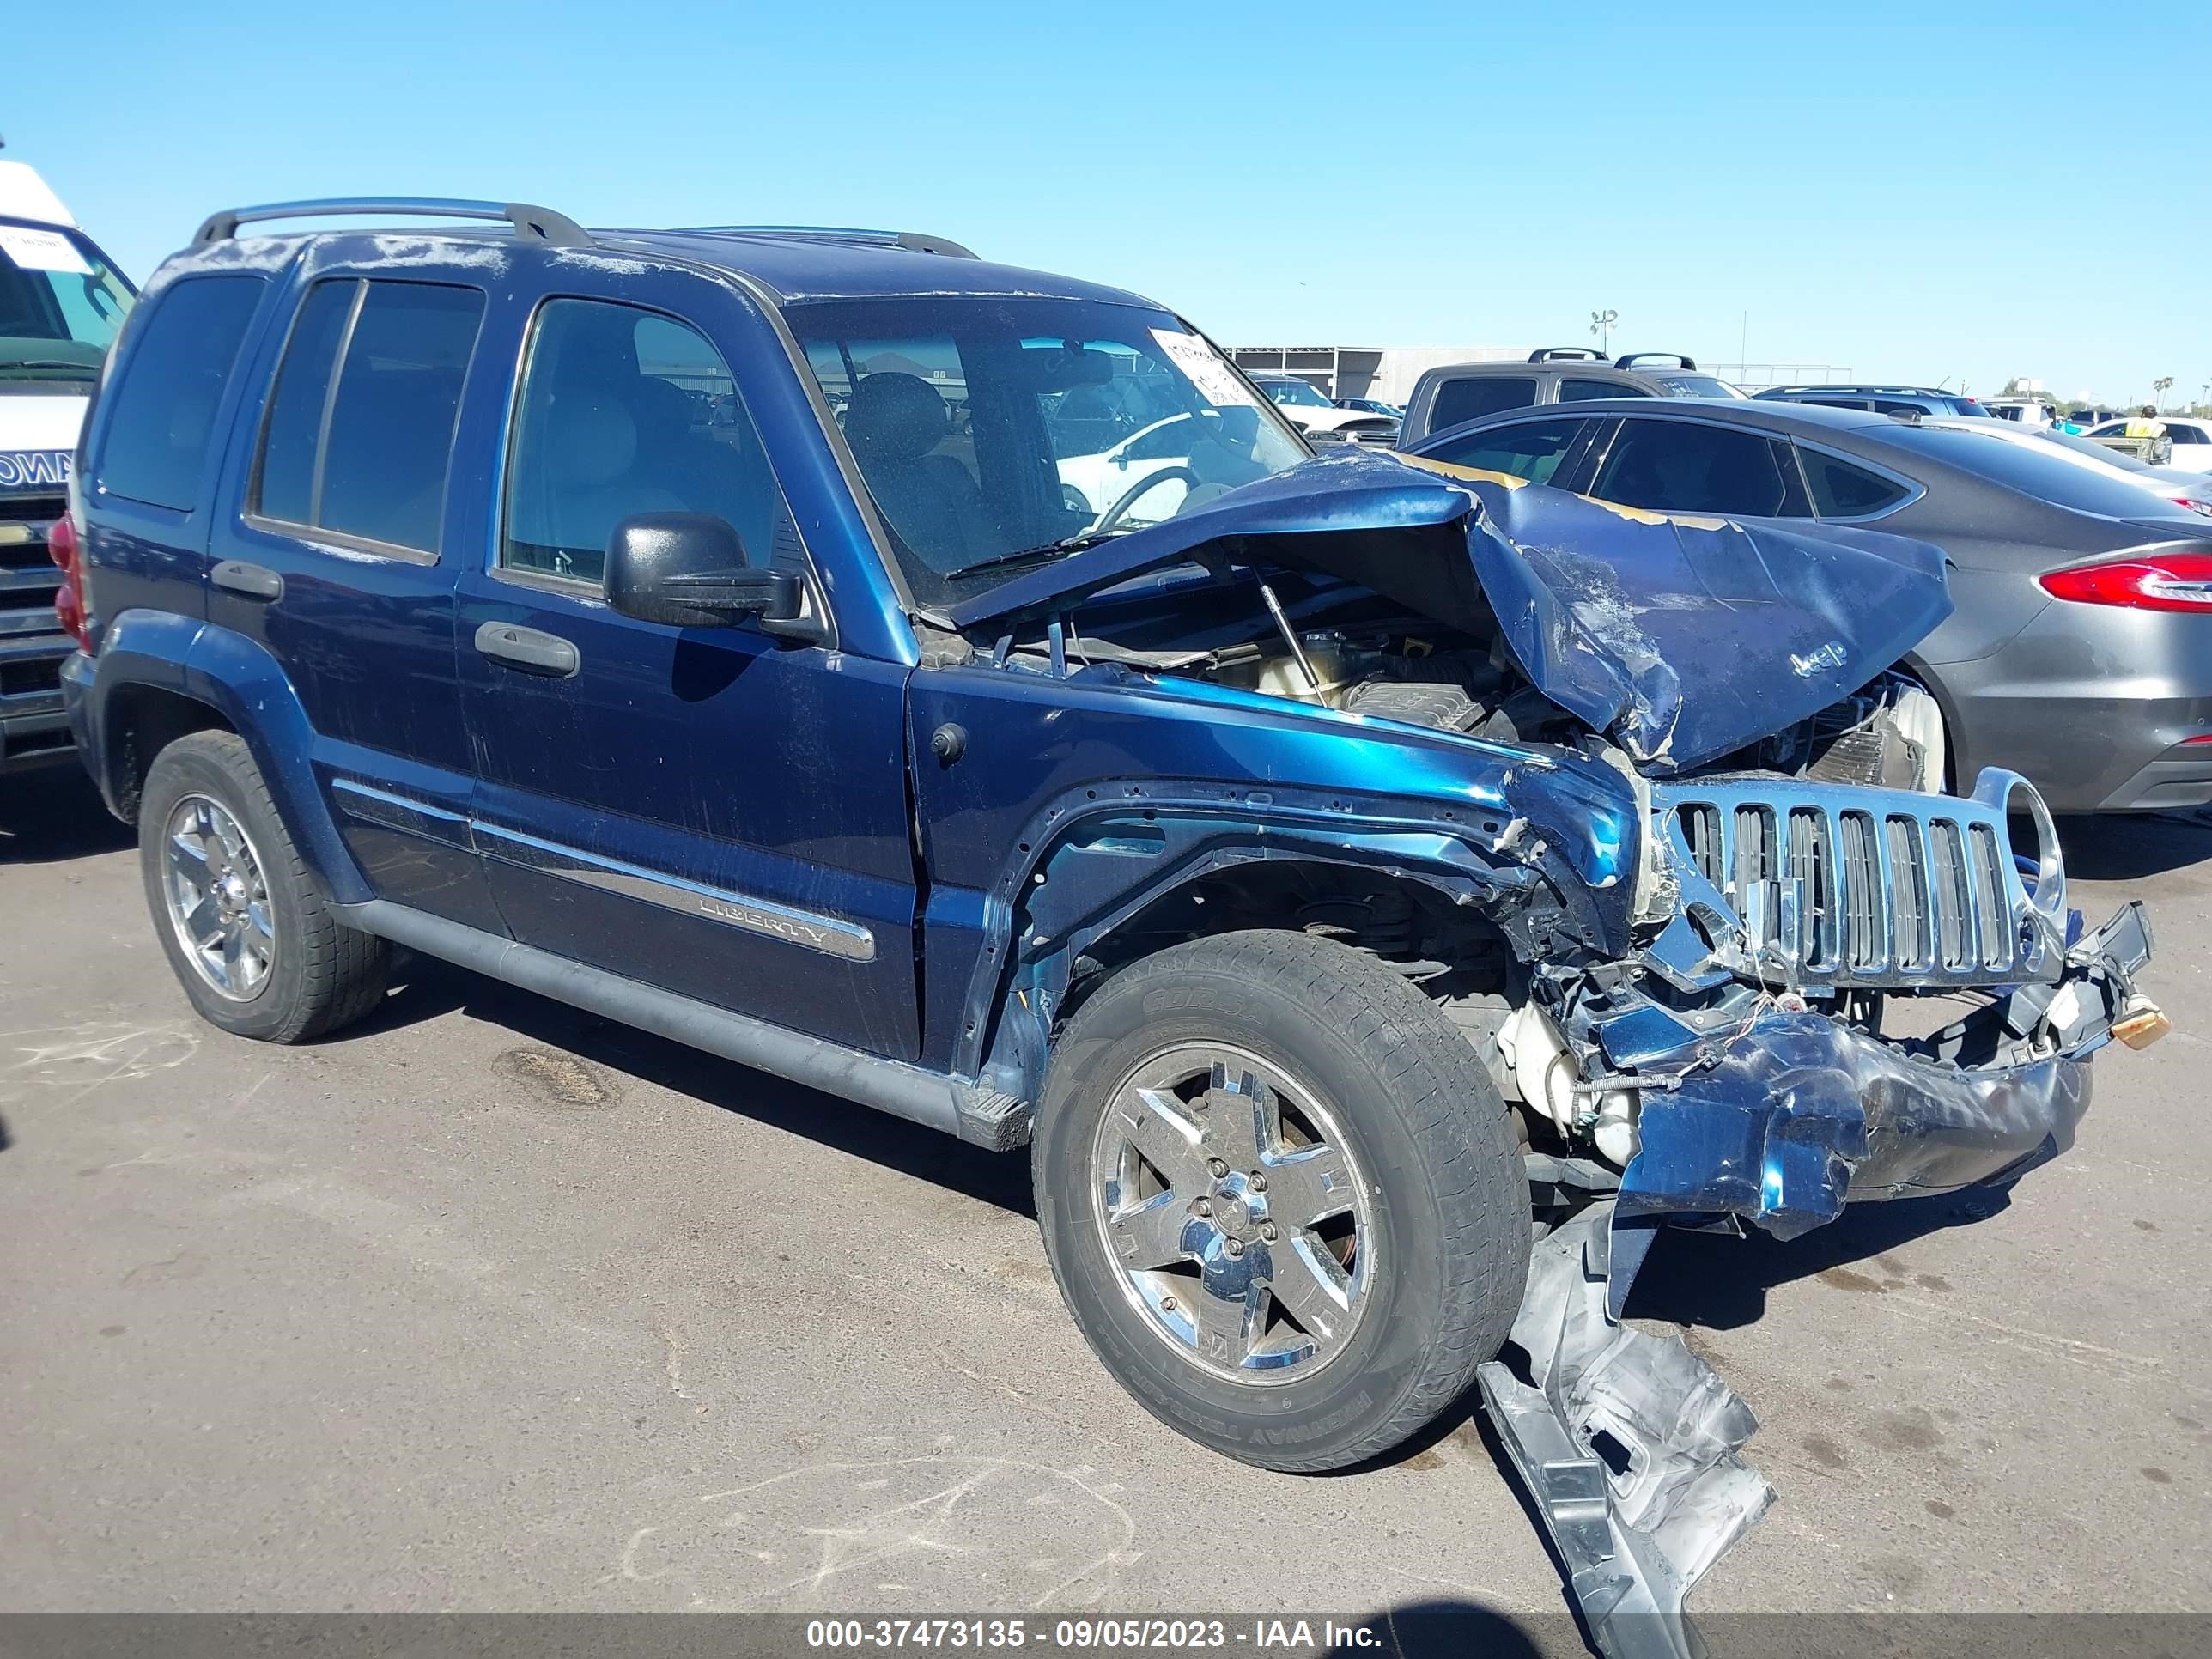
(1629, 360)
(914, 241)
(541, 224)
(1566, 354)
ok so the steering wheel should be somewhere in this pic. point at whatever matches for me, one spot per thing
(1129, 498)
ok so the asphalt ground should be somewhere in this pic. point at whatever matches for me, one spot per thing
(488, 1306)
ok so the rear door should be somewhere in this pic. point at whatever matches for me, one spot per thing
(712, 811)
(1697, 467)
(335, 554)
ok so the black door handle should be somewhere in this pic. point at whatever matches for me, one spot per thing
(255, 581)
(526, 647)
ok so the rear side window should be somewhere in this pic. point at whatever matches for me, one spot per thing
(1576, 392)
(1531, 450)
(1681, 466)
(2184, 434)
(160, 419)
(360, 434)
(1466, 400)
(1841, 490)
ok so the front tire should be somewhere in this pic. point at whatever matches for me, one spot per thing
(1281, 1197)
(249, 936)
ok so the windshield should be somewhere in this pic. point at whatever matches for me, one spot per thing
(1298, 392)
(60, 303)
(998, 433)
(1694, 385)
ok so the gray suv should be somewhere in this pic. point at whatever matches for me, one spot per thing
(1558, 374)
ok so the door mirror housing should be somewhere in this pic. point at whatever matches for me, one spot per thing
(689, 570)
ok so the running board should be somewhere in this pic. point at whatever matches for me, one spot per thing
(954, 1105)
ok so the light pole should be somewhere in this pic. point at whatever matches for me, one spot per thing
(1602, 324)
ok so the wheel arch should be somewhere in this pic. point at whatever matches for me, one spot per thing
(1116, 884)
(161, 676)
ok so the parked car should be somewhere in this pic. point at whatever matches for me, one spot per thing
(1241, 864)
(2191, 440)
(1313, 414)
(1558, 374)
(1372, 406)
(2062, 575)
(2191, 489)
(1882, 399)
(61, 300)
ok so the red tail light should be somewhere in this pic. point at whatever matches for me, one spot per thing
(2154, 582)
(68, 600)
(2194, 505)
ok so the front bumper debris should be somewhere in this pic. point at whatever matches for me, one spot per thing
(1629, 1446)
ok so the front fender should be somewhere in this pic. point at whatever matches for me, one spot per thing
(1091, 861)
(244, 683)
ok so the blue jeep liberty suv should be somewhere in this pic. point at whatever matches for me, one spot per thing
(1380, 894)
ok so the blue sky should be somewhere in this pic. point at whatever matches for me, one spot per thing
(1962, 191)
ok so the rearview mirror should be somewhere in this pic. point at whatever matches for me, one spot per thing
(689, 570)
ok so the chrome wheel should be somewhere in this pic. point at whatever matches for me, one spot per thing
(1229, 1199)
(218, 899)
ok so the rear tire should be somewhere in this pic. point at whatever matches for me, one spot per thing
(248, 934)
(1208, 1295)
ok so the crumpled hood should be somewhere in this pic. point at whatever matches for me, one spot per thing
(1685, 638)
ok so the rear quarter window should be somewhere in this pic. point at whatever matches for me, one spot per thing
(1840, 490)
(1478, 395)
(161, 410)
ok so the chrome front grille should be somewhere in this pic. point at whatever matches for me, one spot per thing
(1868, 887)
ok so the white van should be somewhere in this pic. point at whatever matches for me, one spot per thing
(61, 301)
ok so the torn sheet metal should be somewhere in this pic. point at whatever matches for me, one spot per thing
(1628, 1444)
(1685, 638)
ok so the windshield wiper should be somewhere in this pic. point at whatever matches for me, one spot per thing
(1027, 555)
(90, 371)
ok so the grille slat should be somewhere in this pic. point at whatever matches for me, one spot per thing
(1882, 893)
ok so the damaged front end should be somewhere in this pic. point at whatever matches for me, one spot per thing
(1722, 942)
(1746, 1068)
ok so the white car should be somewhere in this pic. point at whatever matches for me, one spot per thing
(2192, 440)
(1306, 409)
(1118, 474)
(2184, 489)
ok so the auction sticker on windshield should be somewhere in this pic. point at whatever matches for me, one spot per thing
(42, 249)
(1216, 381)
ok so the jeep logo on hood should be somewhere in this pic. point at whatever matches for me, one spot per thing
(33, 469)
(1827, 656)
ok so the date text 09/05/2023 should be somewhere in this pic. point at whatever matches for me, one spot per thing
(1259, 1635)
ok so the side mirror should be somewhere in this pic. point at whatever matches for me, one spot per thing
(689, 570)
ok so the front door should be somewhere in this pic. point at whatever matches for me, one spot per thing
(711, 811)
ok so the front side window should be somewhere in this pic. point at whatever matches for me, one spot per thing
(986, 428)
(1683, 466)
(1532, 451)
(61, 303)
(1478, 395)
(161, 413)
(359, 433)
(624, 412)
